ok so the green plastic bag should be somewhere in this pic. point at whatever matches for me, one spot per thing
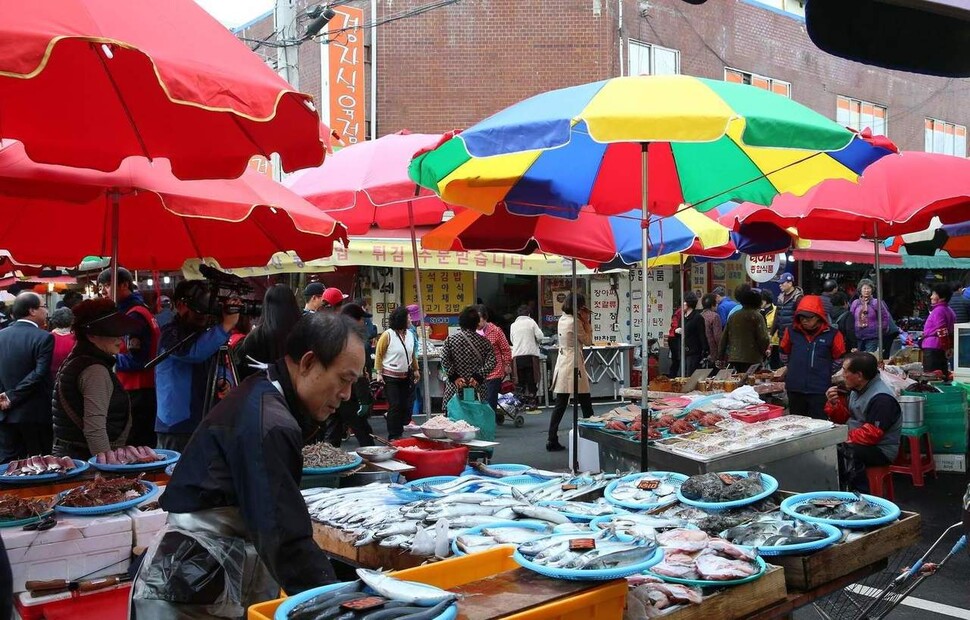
(464, 406)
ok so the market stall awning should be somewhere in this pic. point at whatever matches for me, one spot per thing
(852, 251)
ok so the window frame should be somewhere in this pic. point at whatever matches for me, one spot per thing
(752, 77)
(652, 62)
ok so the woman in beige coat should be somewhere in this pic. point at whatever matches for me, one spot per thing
(562, 376)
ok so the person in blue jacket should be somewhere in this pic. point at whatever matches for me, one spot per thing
(724, 304)
(181, 378)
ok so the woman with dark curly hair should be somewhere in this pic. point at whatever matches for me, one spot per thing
(467, 357)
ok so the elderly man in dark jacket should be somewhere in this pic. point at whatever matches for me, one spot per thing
(26, 349)
(236, 514)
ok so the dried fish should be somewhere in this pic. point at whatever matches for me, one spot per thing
(324, 455)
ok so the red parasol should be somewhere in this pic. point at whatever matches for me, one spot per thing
(58, 215)
(87, 83)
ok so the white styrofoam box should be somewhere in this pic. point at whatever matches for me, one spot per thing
(67, 529)
(589, 453)
(89, 566)
(81, 546)
(147, 521)
(145, 538)
(950, 462)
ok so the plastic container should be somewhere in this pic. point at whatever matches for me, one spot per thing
(435, 459)
(946, 415)
(108, 603)
(603, 602)
(758, 413)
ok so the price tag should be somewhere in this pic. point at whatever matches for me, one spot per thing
(582, 544)
(648, 484)
(363, 604)
(726, 478)
(569, 487)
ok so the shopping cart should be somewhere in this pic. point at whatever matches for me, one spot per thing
(876, 596)
(510, 406)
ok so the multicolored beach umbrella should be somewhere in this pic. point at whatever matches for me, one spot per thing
(701, 143)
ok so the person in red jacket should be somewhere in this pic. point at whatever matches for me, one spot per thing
(811, 346)
(872, 414)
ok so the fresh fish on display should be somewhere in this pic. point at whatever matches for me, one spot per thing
(692, 554)
(606, 554)
(770, 532)
(598, 508)
(712, 488)
(408, 591)
(541, 513)
(683, 540)
(713, 567)
(841, 509)
(513, 535)
(630, 491)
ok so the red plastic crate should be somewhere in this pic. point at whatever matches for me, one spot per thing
(108, 604)
(438, 459)
(758, 413)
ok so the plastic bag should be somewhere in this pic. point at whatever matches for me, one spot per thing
(194, 568)
(465, 407)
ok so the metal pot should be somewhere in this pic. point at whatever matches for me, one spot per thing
(912, 410)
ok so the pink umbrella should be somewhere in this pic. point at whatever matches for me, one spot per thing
(367, 184)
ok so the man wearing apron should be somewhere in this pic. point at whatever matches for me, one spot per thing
(238, 528)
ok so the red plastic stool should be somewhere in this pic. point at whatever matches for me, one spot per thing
(913, 461)
(881, 482)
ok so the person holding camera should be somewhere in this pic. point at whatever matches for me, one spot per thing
(182, 377)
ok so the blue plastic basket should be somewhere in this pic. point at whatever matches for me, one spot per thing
(892, 510)
(529, 525)
(703, 583)
(432, 481)
(768, 482)
(576, 574)
(316, 471)
(577, 518)
(833, 535)
(108, 508)
(287, 606)
(673, 476)
(588, 424)
(26, 521)
(79, 468)
(171, 456)
(598, 523)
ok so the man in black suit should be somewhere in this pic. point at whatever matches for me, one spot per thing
(25, 381)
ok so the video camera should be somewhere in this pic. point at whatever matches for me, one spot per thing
(223, 289)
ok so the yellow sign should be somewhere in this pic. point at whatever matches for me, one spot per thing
(442, 292)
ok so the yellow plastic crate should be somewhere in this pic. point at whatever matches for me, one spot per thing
(604, 602)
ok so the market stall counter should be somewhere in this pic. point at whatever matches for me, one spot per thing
(805, 463)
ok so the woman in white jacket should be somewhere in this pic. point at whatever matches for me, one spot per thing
(562, 376)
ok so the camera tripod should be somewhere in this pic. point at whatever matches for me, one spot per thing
(223, 375)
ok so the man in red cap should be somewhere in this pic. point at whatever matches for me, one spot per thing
(333, 298)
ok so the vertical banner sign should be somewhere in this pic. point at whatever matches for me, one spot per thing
(698, 279)
(604, 306)
(735, 275)
(657, 308)
(346, 59)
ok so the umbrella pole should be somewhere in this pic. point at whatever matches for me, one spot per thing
(683, 319)
(115, 198)
(425, 380)
(875, 245)
(577, 360)
(644, 348)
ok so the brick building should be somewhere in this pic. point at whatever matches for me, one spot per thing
(455, 65)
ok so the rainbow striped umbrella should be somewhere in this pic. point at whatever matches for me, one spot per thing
(703, 142)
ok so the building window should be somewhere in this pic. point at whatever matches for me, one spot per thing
(945, 138)
(647, 59)
(860, 115)
(778, 87)
(795, 7)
